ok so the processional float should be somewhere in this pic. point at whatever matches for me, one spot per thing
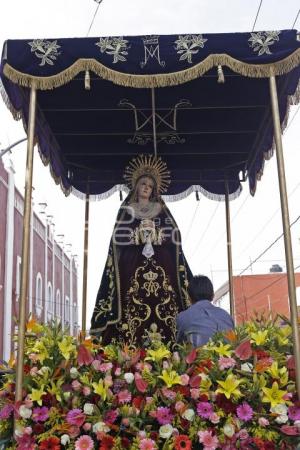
(213, 106)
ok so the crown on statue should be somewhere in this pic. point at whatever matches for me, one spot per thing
(148, 165)
(150, 40)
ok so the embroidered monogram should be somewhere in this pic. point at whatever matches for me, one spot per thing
(261, 41)
(151, 286)
(189, 45)
(151, 50)
(47, 51)
(115, 46)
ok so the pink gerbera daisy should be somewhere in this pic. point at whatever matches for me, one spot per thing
(209, 441)
(147, 444)
(244, 412)
(85, 442)
(204, 410)
(163, 415)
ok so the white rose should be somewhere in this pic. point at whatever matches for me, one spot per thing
(65, 439)
(25, 412)
(283, 418)
(129, 377)
(280, 409)
(74, 373)
(88, 409)
(228, 430)
(166, 431)
(100, 427)
(247, 367)
(188, 414)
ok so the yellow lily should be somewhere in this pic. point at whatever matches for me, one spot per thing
(170, 377)
(273, 395)
(222, 349)
(229, 387)
(259, 337)
(67, 347)
(41, 351)
(158, 355)
(36, 395)
(283, 335)
(205, 385)
(101, 389)
(279, 374)
(33, 327)
(55, 389)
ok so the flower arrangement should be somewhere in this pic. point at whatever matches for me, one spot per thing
(237, 391)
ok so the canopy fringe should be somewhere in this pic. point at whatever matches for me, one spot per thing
(152, 81)
(17, 115)
(291, 101)
(103, 196)
(198, 188)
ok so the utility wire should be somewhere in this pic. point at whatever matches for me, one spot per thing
(257, 15)
(94, 17)
(296, 19)
(192, 221)
(207, 227)
(269, 285)
(268, 248)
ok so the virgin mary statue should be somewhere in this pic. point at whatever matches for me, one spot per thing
(144, 284)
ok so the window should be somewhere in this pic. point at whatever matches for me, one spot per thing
(50, 302)
(67, 311)
(58, 305)
(39, 295)
(18, 277)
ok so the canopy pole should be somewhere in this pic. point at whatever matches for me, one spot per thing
(286, 227)
(85, 263)
(25, 246)
(154, 121)
(229, 252)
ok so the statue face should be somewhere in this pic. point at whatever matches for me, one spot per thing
(144, 188)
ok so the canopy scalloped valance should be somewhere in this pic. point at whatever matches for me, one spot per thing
(96, 105)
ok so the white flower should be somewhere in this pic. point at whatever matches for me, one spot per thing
(24, 412)
(166, 431)
(247, 367)
(19, 430)
(129, 377)
(65, 439)
(280, 409)
(228, 430)
(74, 373)
(88, 409)
(100, 427)
(44, 370)
(283, 418)
(188, 414)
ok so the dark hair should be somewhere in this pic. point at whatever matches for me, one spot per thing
(201, 288)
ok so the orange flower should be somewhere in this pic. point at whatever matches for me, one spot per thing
(182, 442)
(263, 364)
(231, 335)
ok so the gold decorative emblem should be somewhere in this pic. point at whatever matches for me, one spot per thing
(151, 286)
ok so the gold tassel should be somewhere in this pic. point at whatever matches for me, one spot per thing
(87, 80)
(221, 78)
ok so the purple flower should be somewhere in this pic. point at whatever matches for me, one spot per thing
(244, 412)
(163, 415)
(40, 414)
(6, 411)
(204, 410)
(294, 412)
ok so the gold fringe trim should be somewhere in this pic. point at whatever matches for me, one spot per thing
(291, 101)
(153, 81)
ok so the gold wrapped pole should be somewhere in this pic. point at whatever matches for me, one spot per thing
(85, 263)
(229, 252)
(286, 227)
(25, 246)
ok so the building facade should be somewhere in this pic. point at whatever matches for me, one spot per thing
(265, 294)
(53, 279)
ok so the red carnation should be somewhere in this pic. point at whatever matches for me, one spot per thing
(107, 442)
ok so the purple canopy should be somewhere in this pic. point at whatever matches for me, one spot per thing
(208, 96)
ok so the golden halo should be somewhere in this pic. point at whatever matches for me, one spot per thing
(150, 165)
